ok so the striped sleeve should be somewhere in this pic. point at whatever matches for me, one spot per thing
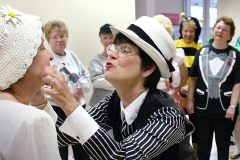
(165, 128)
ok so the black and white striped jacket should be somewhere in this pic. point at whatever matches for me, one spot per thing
(157, 130)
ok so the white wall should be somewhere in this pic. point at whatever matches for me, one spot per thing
(83, 18)
(154, 7)
(230, 8)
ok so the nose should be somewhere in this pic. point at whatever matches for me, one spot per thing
(59, 39)
(188, 33)
(113, 54)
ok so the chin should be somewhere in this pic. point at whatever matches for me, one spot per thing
(108, 76)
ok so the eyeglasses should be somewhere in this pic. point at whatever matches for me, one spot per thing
(58, 37)
(122, 50)
(223, 29)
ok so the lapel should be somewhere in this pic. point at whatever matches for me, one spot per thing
(224, 72)
(228, 66)
(203, 60)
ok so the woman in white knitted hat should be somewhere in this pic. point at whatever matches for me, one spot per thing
(27, 133)
(146, 122)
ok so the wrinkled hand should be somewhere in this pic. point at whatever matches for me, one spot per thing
(190, 107)
(230, 113)
(59, 90)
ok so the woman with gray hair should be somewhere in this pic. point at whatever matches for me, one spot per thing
(77, 78)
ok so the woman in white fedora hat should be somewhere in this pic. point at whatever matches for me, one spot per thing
(146, 122)
(27, 133)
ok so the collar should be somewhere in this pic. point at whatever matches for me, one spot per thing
(131, 111)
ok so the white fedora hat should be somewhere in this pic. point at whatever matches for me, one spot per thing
(154, 39)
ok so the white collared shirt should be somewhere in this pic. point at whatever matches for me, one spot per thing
(131, 111)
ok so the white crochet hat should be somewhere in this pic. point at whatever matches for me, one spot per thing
(154, 39)
(20, 37)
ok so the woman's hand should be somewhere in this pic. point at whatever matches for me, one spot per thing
(78, 93)
(58, 90)
(190, 107)
(230, 113)
(184, 90)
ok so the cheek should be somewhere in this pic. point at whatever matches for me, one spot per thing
(52, 44)
(130, 66)
(130, 61)
(184, 34)
(193, 35)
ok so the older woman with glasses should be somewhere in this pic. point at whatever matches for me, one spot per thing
(146, 122)
(76, 76)
(214, 86)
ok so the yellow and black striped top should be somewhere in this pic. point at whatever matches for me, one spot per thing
(190, 49)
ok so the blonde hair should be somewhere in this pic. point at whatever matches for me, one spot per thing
(55, 24)
(166, 22)
(189, 21)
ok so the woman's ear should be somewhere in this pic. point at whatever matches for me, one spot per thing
(146, 73)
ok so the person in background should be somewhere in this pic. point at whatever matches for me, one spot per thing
(146, 122)
(190, 31)
(214, 86)
(178, 78)
(101, 87)
(77, 78)
(236, 135)
(236, 131)
(27, 132)
(180, 75)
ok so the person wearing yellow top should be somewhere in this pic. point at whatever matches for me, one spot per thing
(190, 30)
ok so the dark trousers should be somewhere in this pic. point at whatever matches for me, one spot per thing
(205, 128)
(64, 140)
(192, 118)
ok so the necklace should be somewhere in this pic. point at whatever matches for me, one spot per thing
(17, 97)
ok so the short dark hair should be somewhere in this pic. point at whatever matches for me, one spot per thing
(146, 62)
(105, 29)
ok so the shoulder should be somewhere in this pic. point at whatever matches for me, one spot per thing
(73, 56)
(207, 46)
(70, 53)
(234, 49)
(198, 45)
(178, 42)
(23, 117)
(39, 116)
(98, 57)
(162, 98)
